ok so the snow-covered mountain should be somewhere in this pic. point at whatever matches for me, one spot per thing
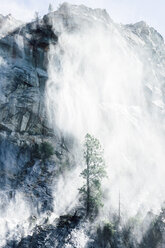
(76, 71)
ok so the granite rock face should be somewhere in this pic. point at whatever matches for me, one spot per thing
(23, 120)
(23, 76)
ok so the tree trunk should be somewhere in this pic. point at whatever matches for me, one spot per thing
(88, 188)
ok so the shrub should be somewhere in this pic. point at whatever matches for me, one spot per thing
(105, 234)
(43, 151)
(46, 149)
(108, 230)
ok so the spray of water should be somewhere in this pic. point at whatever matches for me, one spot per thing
(96, 85)
(14, 218)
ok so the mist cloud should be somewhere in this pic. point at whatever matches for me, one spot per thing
(96, 85)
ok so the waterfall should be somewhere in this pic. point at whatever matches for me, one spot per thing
(97, 85)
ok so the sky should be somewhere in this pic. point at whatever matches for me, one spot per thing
(121, 11)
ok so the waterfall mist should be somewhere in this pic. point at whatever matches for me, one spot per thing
(96, 85)
(14, 217)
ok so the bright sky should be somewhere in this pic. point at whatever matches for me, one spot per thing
(124, 11)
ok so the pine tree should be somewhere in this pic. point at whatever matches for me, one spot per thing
(36, 16)
(50, 8)
(93, 174)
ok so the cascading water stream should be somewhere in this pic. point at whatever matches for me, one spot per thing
(96, 85)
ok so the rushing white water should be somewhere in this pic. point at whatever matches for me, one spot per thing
(96, 85)
(14, 218)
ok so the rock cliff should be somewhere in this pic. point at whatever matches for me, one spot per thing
(29, 169)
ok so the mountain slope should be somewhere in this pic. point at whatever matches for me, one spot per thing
(76, 71)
